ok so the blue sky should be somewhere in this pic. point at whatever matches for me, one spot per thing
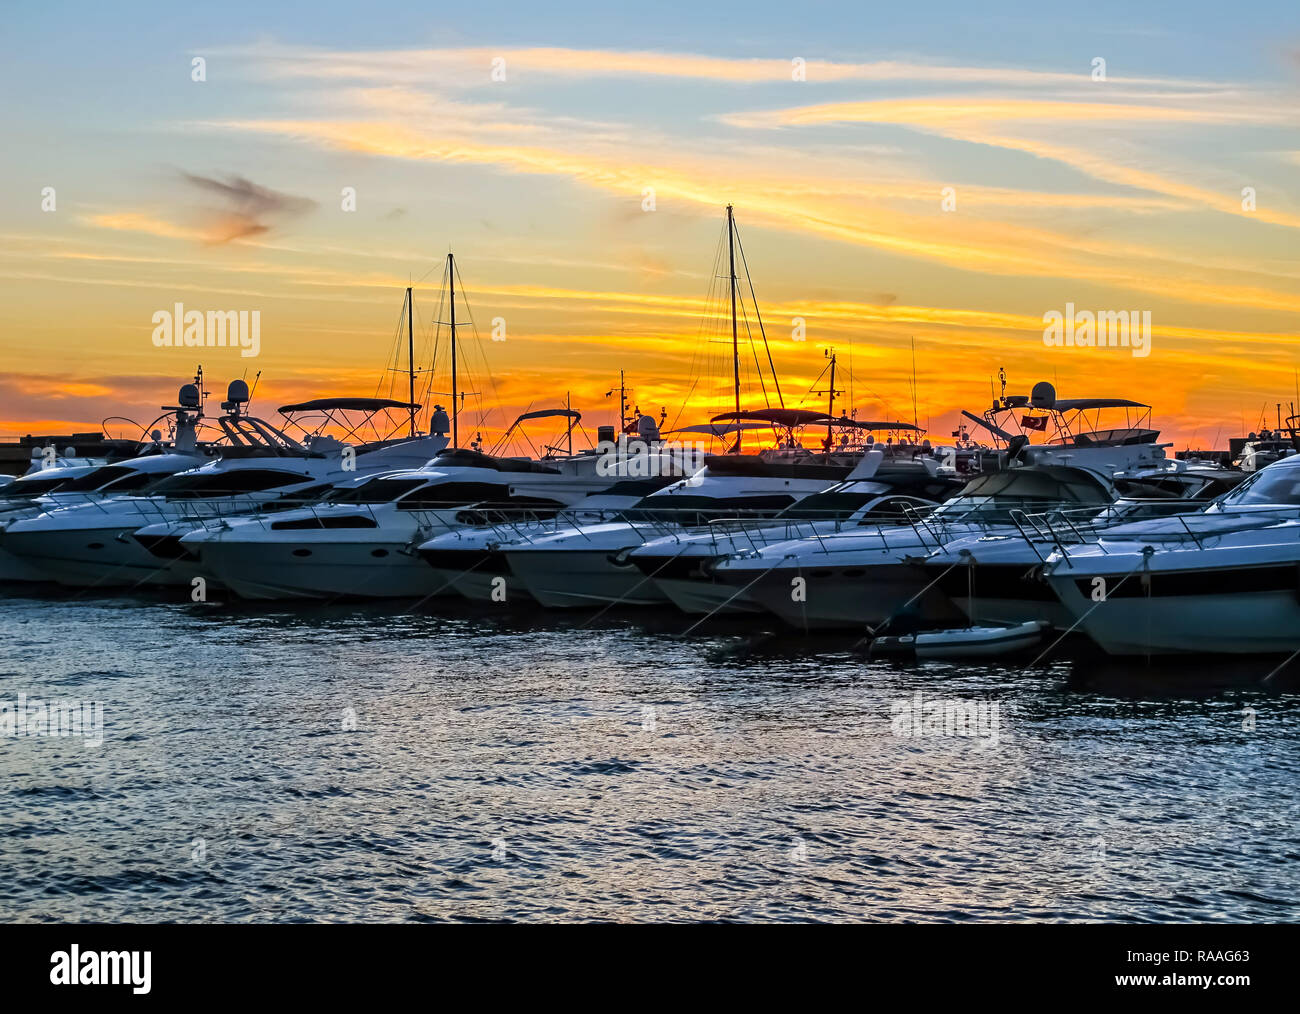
(1120, 193)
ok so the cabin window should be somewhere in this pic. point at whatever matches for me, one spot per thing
(375, 491)
(441, 495)
(325, 521)
(192, 485)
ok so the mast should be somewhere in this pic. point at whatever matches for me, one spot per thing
(455, 405)
(410, 354)
(914, 419)
(735, 341)
(830, 409)
(622, 403)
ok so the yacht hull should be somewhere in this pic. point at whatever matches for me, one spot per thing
(1265, 621)
(579, 579)
(1004, 593)
(16, 570)
(703, 597)
(91, 558)
(477, 573)
(684, 578)
(318, 570)
(827, 599)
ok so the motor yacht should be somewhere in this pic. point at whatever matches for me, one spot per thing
(996, 576)
(95, 543)
(362, 539)
(879, 491)
(590, 564)
(854, 579)
(1221, 580)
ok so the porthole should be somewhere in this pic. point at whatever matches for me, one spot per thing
(302, 552)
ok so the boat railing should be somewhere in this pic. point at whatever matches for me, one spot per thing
(1063, 529)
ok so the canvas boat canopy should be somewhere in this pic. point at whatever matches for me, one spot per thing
(1081, 404)
(872, 425)
(788, 417)
(720, 429)
(549, 413)
(348, 405)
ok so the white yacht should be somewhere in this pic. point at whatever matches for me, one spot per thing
(361, 540)
(77, 482)
(591, 565)
(469, 559)
(1222, 580)
(996, 576)
(854, 579)
(94, 544)
(878, 491)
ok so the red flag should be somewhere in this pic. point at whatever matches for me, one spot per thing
(1034, 422)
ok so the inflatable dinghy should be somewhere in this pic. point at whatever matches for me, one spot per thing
(963, 642)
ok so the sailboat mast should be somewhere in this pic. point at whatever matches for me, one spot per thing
(455, 403)
(735, 341)
(830, 409)
(410, 355)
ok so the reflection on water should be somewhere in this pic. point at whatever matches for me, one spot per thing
(391, 763)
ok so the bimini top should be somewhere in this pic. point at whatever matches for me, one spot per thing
(719, 429)
(1071, 404)
(779, 416)
(347, 405)
(869, 425)
(547, 413)
(463, 457)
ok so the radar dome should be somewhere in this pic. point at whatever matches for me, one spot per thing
(1043, 395)
(189, 396)
(439, 424)
(647, 428)
(237, 391)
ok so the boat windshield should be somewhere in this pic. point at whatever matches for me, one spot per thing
(691, 510)
(992, 497)
(32, 486)
(829, 504)
(1276, 485)
(196, 485)
(121, 478)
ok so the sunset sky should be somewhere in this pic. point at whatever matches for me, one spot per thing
(1117, 194)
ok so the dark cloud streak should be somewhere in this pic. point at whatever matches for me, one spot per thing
(250, 209)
